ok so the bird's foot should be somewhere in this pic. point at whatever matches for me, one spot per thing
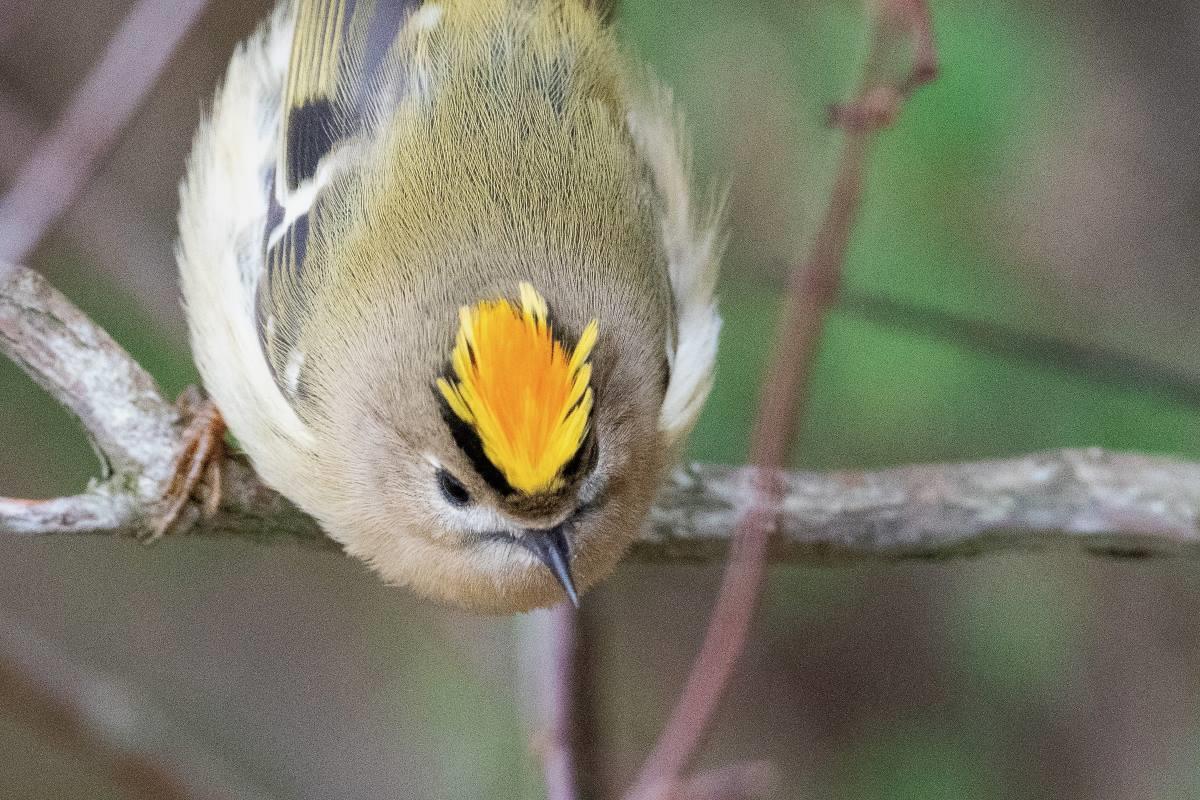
(198, 466)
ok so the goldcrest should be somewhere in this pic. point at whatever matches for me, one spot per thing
(447, 285)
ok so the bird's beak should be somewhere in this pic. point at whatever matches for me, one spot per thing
(552, 549)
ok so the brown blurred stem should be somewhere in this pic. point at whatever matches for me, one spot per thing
(108, 727)
(812, 291)
(1092, 363)
(66, 157)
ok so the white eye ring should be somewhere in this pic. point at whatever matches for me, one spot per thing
(469, 517)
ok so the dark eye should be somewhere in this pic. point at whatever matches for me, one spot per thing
(584, 459)
(455, 493)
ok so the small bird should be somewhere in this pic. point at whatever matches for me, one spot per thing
(447, 284)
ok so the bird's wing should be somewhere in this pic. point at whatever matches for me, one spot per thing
(335, 79)
(295, 94)
(339, 83)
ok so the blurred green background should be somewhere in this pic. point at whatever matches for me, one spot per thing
(1046, 185)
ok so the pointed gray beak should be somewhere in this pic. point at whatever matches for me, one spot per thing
(552, 549)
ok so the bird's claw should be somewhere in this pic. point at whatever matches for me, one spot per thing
(198, 466)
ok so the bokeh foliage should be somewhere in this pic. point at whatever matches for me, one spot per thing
(936, 232)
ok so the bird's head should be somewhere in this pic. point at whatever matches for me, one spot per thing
(527, 467)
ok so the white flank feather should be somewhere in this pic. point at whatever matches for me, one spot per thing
(223, 212)
(693, 245)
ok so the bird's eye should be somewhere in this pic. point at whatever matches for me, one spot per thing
(455, 493)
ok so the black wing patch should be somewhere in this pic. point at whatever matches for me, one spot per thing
(332, 91)
(338, 52)
(312, 130)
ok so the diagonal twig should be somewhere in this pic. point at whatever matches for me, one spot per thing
(813, 289)
(67, 156)
(1098, 364)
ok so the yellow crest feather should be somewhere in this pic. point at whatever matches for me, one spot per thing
(527, 398)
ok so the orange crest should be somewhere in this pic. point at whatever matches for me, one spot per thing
(523, 394)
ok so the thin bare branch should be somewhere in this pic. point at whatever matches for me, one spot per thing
(68, 155)
(813, 290)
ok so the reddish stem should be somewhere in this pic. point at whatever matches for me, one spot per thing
(812, 291)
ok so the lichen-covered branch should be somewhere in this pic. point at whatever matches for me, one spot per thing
(1093, 500)
(132, 427)
(80, 365)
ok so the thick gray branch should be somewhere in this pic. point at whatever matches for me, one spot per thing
(135, 431)
(80, 365)
(1102, 502)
